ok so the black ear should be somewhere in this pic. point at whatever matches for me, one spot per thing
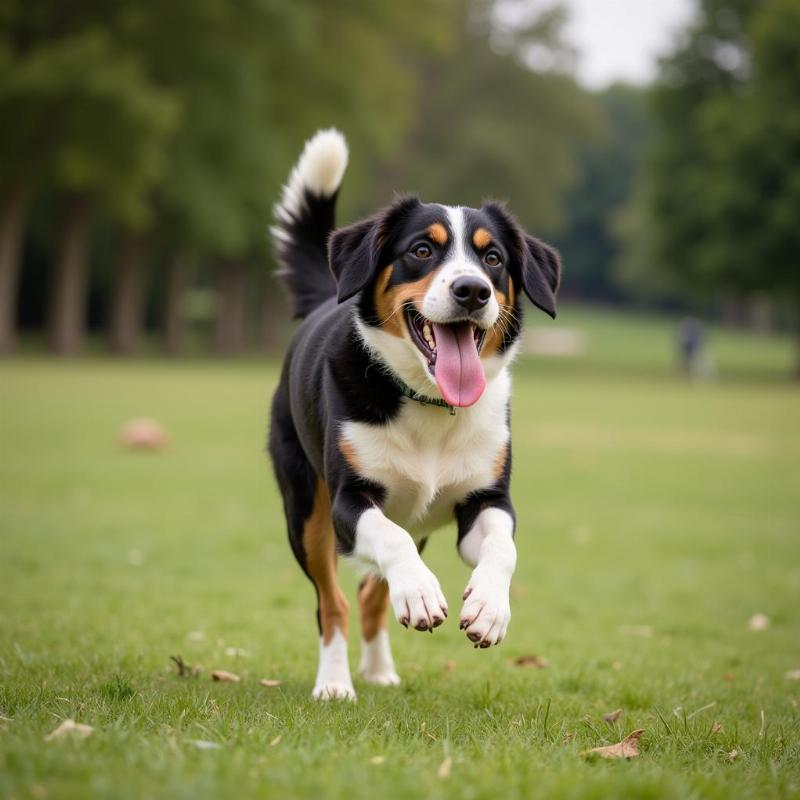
(353, 256)
(538, 266)
(541, 274)
(355, 252)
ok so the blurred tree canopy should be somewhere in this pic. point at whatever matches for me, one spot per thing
(163, 131)
(723, 189)
(608, 167)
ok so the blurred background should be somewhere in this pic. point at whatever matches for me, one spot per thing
(143, 144)
(656, 480)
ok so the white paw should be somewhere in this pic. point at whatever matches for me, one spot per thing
(385, 677)
(416, 597)
(486, 611)
(334, 690)
(377, 665)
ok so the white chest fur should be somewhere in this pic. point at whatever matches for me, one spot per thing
(428, 460)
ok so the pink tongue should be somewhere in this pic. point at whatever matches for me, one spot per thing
(458, 371)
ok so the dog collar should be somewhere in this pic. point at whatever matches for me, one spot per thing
(422, 399)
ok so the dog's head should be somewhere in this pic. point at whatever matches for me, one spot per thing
(440, 289)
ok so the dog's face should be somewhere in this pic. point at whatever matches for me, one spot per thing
(445, 281)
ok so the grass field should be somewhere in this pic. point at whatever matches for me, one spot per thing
(655, 519)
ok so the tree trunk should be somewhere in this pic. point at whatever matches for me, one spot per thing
(13, 210)
(174, 302)
(231, 317)
(797, 344)
(273, 318)
(127, 300)
(67, 311)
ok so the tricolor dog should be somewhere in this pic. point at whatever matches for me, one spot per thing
(392, 413)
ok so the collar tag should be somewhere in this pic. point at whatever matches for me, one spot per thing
(422, 399)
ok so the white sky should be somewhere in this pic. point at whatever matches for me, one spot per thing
(622, 39)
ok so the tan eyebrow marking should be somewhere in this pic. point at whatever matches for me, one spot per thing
(438, 233)
(481, 238)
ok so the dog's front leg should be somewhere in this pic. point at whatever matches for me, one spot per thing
(486, 542)
(389, 551)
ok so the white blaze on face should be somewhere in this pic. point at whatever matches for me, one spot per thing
(439, 304)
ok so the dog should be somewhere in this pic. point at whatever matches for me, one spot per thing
(391, 417)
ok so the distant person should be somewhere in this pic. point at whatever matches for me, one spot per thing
(693, 350)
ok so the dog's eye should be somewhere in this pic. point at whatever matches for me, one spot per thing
(421, 250)
(492, 259)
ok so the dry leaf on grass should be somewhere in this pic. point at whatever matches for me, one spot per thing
(613, 716)
(276, 740)
(758, 622)
(70, 728)
(728, 676)
(377, 760)
(144, 434)
(733, 755)
(269, 682)
(793, 675)
(531, 662)
(224, 677)
(444, 768)
(716, 727)
(627, 748)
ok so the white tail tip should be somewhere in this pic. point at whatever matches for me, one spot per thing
(319, 171)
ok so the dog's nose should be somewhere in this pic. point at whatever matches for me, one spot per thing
(470, 292)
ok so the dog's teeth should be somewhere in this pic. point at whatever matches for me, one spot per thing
(426, 329)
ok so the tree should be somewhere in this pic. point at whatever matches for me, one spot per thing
(608, 165)
(725, 177)
(495, 120)
(87, 120)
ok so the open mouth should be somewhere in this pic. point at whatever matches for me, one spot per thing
(452, 351)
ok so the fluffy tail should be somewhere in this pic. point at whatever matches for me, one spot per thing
(304, 218)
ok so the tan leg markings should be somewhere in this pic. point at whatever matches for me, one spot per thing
(349, 454)
(320, 548)
(500, 462)
(373, 598)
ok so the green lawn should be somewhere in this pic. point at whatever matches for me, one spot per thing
(655, 519)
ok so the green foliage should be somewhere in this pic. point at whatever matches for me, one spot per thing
(725, 179)
(86, 117)
(492, 124)
(608, 166)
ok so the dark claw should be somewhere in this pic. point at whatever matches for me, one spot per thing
(484, 645)
(404, 622)
(467, 594)
(437, 621)
(444, 611)
(463, 624)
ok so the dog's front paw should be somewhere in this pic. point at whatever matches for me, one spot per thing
(486, 611)
(416, 596)
(334, 690)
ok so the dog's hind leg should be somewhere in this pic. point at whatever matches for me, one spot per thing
(308, 517)
(333, 675)
(376, 664)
